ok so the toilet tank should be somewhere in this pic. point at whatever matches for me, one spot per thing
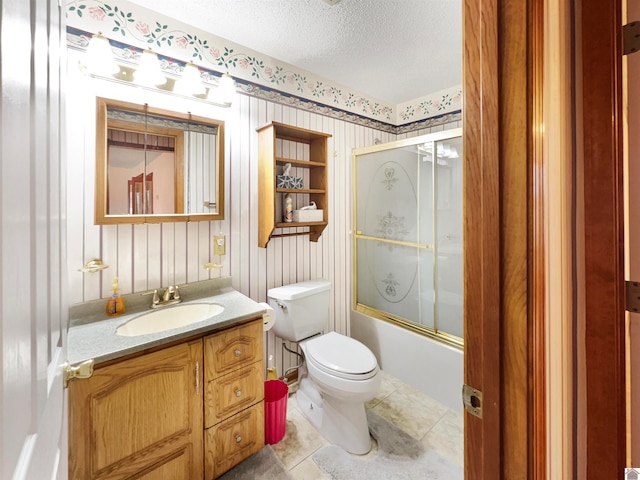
(302, 309)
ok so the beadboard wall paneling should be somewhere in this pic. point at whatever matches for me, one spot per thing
(152, 256)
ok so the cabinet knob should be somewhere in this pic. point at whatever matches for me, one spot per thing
(238, 438)
(238, 353)
(238, 393)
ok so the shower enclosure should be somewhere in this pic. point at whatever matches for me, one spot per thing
(408, 234)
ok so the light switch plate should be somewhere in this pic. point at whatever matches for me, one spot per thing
(219, 244)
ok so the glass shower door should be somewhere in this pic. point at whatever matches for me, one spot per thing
(402, 199)
(448, 244)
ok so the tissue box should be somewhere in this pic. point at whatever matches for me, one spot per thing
(288, 181)
(308, 215)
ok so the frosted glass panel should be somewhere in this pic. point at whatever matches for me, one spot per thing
(448, 248)
(396, 279)
(394, 196)
(408, 230)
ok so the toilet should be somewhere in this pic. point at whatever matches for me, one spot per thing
(338, 375)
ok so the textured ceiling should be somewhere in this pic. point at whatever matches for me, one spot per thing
(392, 50)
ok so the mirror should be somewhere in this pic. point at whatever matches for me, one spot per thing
(154, 165)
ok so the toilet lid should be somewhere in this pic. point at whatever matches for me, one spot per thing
(341, 355)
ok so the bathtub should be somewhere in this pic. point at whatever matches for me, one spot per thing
(431, 367)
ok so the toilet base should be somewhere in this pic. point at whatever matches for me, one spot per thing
(340, 423)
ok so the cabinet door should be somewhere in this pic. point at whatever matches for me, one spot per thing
(141, 417)
(232, 349)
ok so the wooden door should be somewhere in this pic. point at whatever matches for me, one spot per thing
(601, 402)
(140, 195)
(505, 75)
(141, 416)
(482, 239)
(498, 236)
(632, 240)
(33, 308)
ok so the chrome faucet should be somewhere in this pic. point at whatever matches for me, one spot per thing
(171, 296)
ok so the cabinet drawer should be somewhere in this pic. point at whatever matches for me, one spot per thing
(227, 395)
(232, 349)
(233, 440)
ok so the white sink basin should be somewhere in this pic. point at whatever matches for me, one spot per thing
(168, 318)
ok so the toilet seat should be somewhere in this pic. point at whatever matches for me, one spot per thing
(341, 356)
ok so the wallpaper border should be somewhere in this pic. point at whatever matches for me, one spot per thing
(79, 40)
(259, 74)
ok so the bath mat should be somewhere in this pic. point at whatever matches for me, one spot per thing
(262, 465)
(399, 457)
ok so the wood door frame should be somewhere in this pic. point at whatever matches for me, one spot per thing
(602, 434)
(501, 445)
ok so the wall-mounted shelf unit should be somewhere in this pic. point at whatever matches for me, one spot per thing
(308, 161)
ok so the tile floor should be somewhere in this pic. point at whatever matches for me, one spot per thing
(435, 425)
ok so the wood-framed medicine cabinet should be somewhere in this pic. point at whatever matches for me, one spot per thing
(155, 165)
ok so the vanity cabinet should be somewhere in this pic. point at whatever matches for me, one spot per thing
(234, 393)
(308, 157)
(143, 417)
(139, 417)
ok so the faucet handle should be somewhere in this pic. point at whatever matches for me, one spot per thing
(176, 293)
(156, 298)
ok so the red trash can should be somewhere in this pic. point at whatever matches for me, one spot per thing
(275, 410)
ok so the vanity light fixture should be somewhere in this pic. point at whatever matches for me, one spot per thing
(100, 59)
(103, 61)
(148, 72)
(191, 82)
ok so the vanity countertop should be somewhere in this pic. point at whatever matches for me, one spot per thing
(92, 335)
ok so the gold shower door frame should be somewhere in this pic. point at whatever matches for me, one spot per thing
(434, 333)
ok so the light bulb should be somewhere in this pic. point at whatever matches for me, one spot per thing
(149, 73)
(226, 91)
(100, 57)
(190, 83)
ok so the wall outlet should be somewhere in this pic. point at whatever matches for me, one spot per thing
(219, 245)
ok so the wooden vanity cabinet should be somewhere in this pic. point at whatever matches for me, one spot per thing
(189, 411)
(234, 394)
(139, 418)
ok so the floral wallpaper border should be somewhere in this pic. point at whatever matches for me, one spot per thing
(437, 103)
(256, 74)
